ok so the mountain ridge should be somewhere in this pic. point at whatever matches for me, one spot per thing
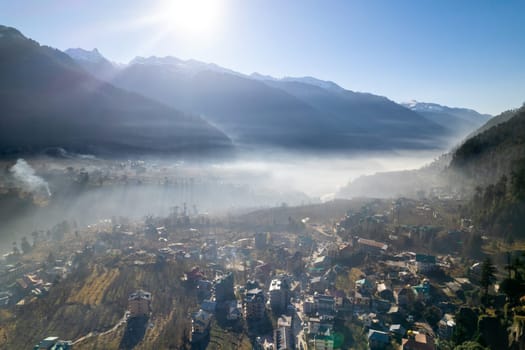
(48, 100)
(260, 110)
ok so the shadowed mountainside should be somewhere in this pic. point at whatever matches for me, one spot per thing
(47, 100)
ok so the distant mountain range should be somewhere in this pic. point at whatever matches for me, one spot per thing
(292, 113)
(461, 120)
(83, 102)
(47, 100)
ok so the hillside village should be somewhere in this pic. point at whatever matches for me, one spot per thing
(387, 275)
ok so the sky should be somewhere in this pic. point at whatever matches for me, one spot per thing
(468, 53)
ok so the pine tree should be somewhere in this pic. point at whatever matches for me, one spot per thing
(487, 275)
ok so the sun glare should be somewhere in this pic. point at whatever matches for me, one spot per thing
(192, 17)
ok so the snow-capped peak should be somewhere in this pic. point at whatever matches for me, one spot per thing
(79, 54)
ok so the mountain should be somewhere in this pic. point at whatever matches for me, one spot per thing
(292, 113)
(496, 149)
(48, 100)
(492, 162)
(359, 114)
(492, 159)
(457, 120)
(329, 85)
(93, 62)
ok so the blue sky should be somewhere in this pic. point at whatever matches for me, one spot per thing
(459, 53)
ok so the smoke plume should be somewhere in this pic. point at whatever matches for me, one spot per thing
(25, 175)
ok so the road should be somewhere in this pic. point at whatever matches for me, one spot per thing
(122, 321)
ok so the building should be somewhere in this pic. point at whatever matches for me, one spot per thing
(261, 240)
(139, 304)
(320, 325)
(53, 343)
(371, 246)
(323, 342)
(308, 305)
(278, 295)
(324, 304)
(234, 312)
(446, 326)
(224, 288)
(283, 338)
(425, 263)
(254, 304)
(200, 325)
(378, 339)
(418, 341)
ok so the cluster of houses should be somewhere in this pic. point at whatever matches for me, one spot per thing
(23, 282)
(307, 304)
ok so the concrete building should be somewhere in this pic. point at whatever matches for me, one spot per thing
(254, 304)
(224, 288)
(139, 304)
(200, 325)
(261, 240)
(323, 342)
(324, 304)
(378, 339)
(282, 338)
(278, 295)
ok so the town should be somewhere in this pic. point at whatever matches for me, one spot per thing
(383, 275)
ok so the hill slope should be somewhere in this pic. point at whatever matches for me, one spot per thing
(494, 150)
(47, 100)
(494, 162)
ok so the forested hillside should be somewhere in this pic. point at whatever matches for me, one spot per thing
(494, 162)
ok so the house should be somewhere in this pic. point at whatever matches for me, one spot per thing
(365, 284)
(423, 290)
(384, 292)
(53, 343)
(371, 246)
(425, 263)
(139, 304)
(397, 331)
(406, 296)
(318, 284)
(446, 326)
(377, 339)
(208, 305)
(418, 341)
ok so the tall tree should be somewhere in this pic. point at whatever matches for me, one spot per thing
(487, 275)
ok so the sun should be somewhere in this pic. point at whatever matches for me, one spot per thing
(197, 18)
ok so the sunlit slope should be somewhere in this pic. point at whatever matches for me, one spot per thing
(88, 306)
